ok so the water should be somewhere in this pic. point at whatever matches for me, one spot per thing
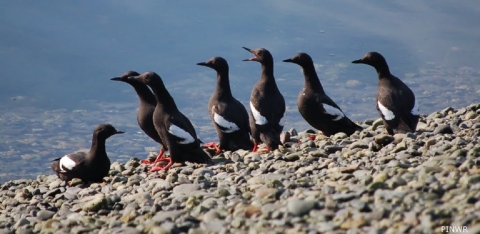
(57, 61)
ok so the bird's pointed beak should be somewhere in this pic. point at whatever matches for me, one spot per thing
(288, 60)
(202, 64)
(247, 49)
(254, 58)
(119, 132)
(116, 78)
(357, 61)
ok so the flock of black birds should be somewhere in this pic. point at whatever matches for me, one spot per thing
(160, 118)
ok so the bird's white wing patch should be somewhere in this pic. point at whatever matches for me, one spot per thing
(66, 162)
(387, 114)
(182, 134)
(416, 109)
(259, 119)
(227, 125)
(333, 112)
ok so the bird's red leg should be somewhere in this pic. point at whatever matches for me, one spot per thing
(160, 154)
(255, 145)
(159, 157)
(213, 145)
(158, 168)
(312, 137)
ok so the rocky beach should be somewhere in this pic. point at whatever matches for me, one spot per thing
(369, 182)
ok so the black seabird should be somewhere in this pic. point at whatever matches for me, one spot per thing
(175, 129)
(229, 116)
(89, 166)
(318, 109)
(267, 106)
(396, 102)
(145, 111)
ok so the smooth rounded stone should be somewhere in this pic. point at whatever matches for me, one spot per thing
(443, 129)
(383, 139)
(359, 145)
(332, 148)
(203, 171)
(299, 207)
(368, 121)
(293, 157)
(395, 182)
(55, 184)
(377, 123)
(75, 182)
(162, 216)
(380, 177)
(215, 226)
(21, 222)
(339, 136)
(266, 192)
(285, 137)
(134, 180)
(43, 215)
(185, 189)
(252, 157)
(95, 203)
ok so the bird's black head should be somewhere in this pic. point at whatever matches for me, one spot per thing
(148, 78)
(125, 76)
(301, 59)
(373, 59)
(260, 55)
(216, 63)
(105, 131)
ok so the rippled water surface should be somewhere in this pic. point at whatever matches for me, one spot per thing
(57, 60)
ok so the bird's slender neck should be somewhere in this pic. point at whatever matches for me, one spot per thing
(311, 78)
(144, 94)
(267, 72)
(164, 99)
(98, 146)
(383, 71)
(223, 84)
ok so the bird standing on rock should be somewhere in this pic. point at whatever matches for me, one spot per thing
(175, 129)
(145, 111)
(229, 116)
(395, 101)
(267, 105)
(318, 109)
(89, 166)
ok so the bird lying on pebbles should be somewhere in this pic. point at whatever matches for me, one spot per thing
(174, 128)
(89, 166)
(145, 111)
(395, 101)
(267, 105)
(229, 116)
(318, 109)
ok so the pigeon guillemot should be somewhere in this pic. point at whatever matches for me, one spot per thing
(267, 106)
(228, 115)
(315, 106)
(175, 129)
(145, 111)
(89, 166)
(396, 102)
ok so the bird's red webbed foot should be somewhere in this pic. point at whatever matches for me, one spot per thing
(148, 162)
(213, 145)
(158, 168)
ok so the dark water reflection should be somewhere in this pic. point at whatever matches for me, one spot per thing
(57, 58)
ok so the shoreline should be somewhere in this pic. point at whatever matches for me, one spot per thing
(368, 182)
